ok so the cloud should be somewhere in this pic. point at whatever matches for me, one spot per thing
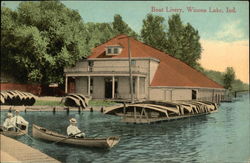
(230, 31)
(217, 55)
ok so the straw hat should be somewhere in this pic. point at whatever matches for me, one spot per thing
(73, 120)
(9, 115)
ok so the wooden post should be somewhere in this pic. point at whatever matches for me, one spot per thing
(135, 114)
(130, 74)
(138, 87)
(113, 87)
(66, 84)
(79, 109)
(88, 85)
(91, 109)
(67, 110)
(102, 109)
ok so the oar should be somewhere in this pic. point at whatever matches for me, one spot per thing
(68, 137)
(23, 132)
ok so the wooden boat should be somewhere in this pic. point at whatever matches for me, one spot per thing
(13, 133)
(45, 134)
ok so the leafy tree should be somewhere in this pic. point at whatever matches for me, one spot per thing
(40, 39)
(120, 27)
(228, 78)
(98, 33)
(153, 32)
(215, 76)
(183, 41)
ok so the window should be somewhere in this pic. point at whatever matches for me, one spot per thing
(90, 65)
(133, 62)
(109, 50)
(194, 94)
(91, 85)
(115, 50)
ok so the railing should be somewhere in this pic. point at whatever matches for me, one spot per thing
(138, 69)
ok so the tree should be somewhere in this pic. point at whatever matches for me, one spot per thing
(228, 78)
(40, 39)
(120, 27)
(153, 32)
(183, 41)
(98, 33)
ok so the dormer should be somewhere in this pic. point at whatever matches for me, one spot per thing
(112, 50)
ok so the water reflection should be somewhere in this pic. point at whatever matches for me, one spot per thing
(211, 138)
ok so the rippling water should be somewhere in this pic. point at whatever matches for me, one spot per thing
(219, 137)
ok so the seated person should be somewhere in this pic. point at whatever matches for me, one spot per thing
(19, 121)
(8, 123)
(72, 129)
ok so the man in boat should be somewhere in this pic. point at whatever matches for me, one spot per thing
(73, 130)
(19, 121)
(8, 123)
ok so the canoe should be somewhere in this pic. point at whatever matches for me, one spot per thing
(45, 134)
(13, 133)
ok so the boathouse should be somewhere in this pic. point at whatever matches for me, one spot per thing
(155, 74)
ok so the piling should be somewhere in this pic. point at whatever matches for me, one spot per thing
(67, 110)
(101, 109)
(79, 109)
(91, 109)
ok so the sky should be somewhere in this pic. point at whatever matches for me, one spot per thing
(224, 35)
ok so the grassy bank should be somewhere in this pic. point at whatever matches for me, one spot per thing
(48, 103)
(57, 103)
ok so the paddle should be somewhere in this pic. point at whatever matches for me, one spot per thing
(23, 132)
(68, 137)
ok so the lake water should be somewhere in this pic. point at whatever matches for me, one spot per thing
(219, 137)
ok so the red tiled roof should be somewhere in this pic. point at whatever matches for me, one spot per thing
(170, 72)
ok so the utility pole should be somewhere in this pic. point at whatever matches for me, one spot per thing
(130, 73)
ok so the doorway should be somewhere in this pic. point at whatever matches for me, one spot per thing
(108, 87)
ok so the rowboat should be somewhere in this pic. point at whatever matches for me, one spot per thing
(13, 133)
(45, 134)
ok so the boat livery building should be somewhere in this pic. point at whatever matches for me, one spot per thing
(155, 74)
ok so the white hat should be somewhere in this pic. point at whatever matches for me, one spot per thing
(9, 115)
(73, 120)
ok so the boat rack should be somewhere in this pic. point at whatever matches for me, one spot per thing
(155, 111)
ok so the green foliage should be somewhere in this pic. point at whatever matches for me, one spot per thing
(40, 39)
(153, 32)
(98, 33)
(215, 76)
(120, 27)
(183, 41)
(228, 78)
(219, 77)
(238, 85)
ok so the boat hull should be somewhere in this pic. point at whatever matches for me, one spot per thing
(13, 133)
(42, 133)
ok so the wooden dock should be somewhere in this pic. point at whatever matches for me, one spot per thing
(15, 151)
